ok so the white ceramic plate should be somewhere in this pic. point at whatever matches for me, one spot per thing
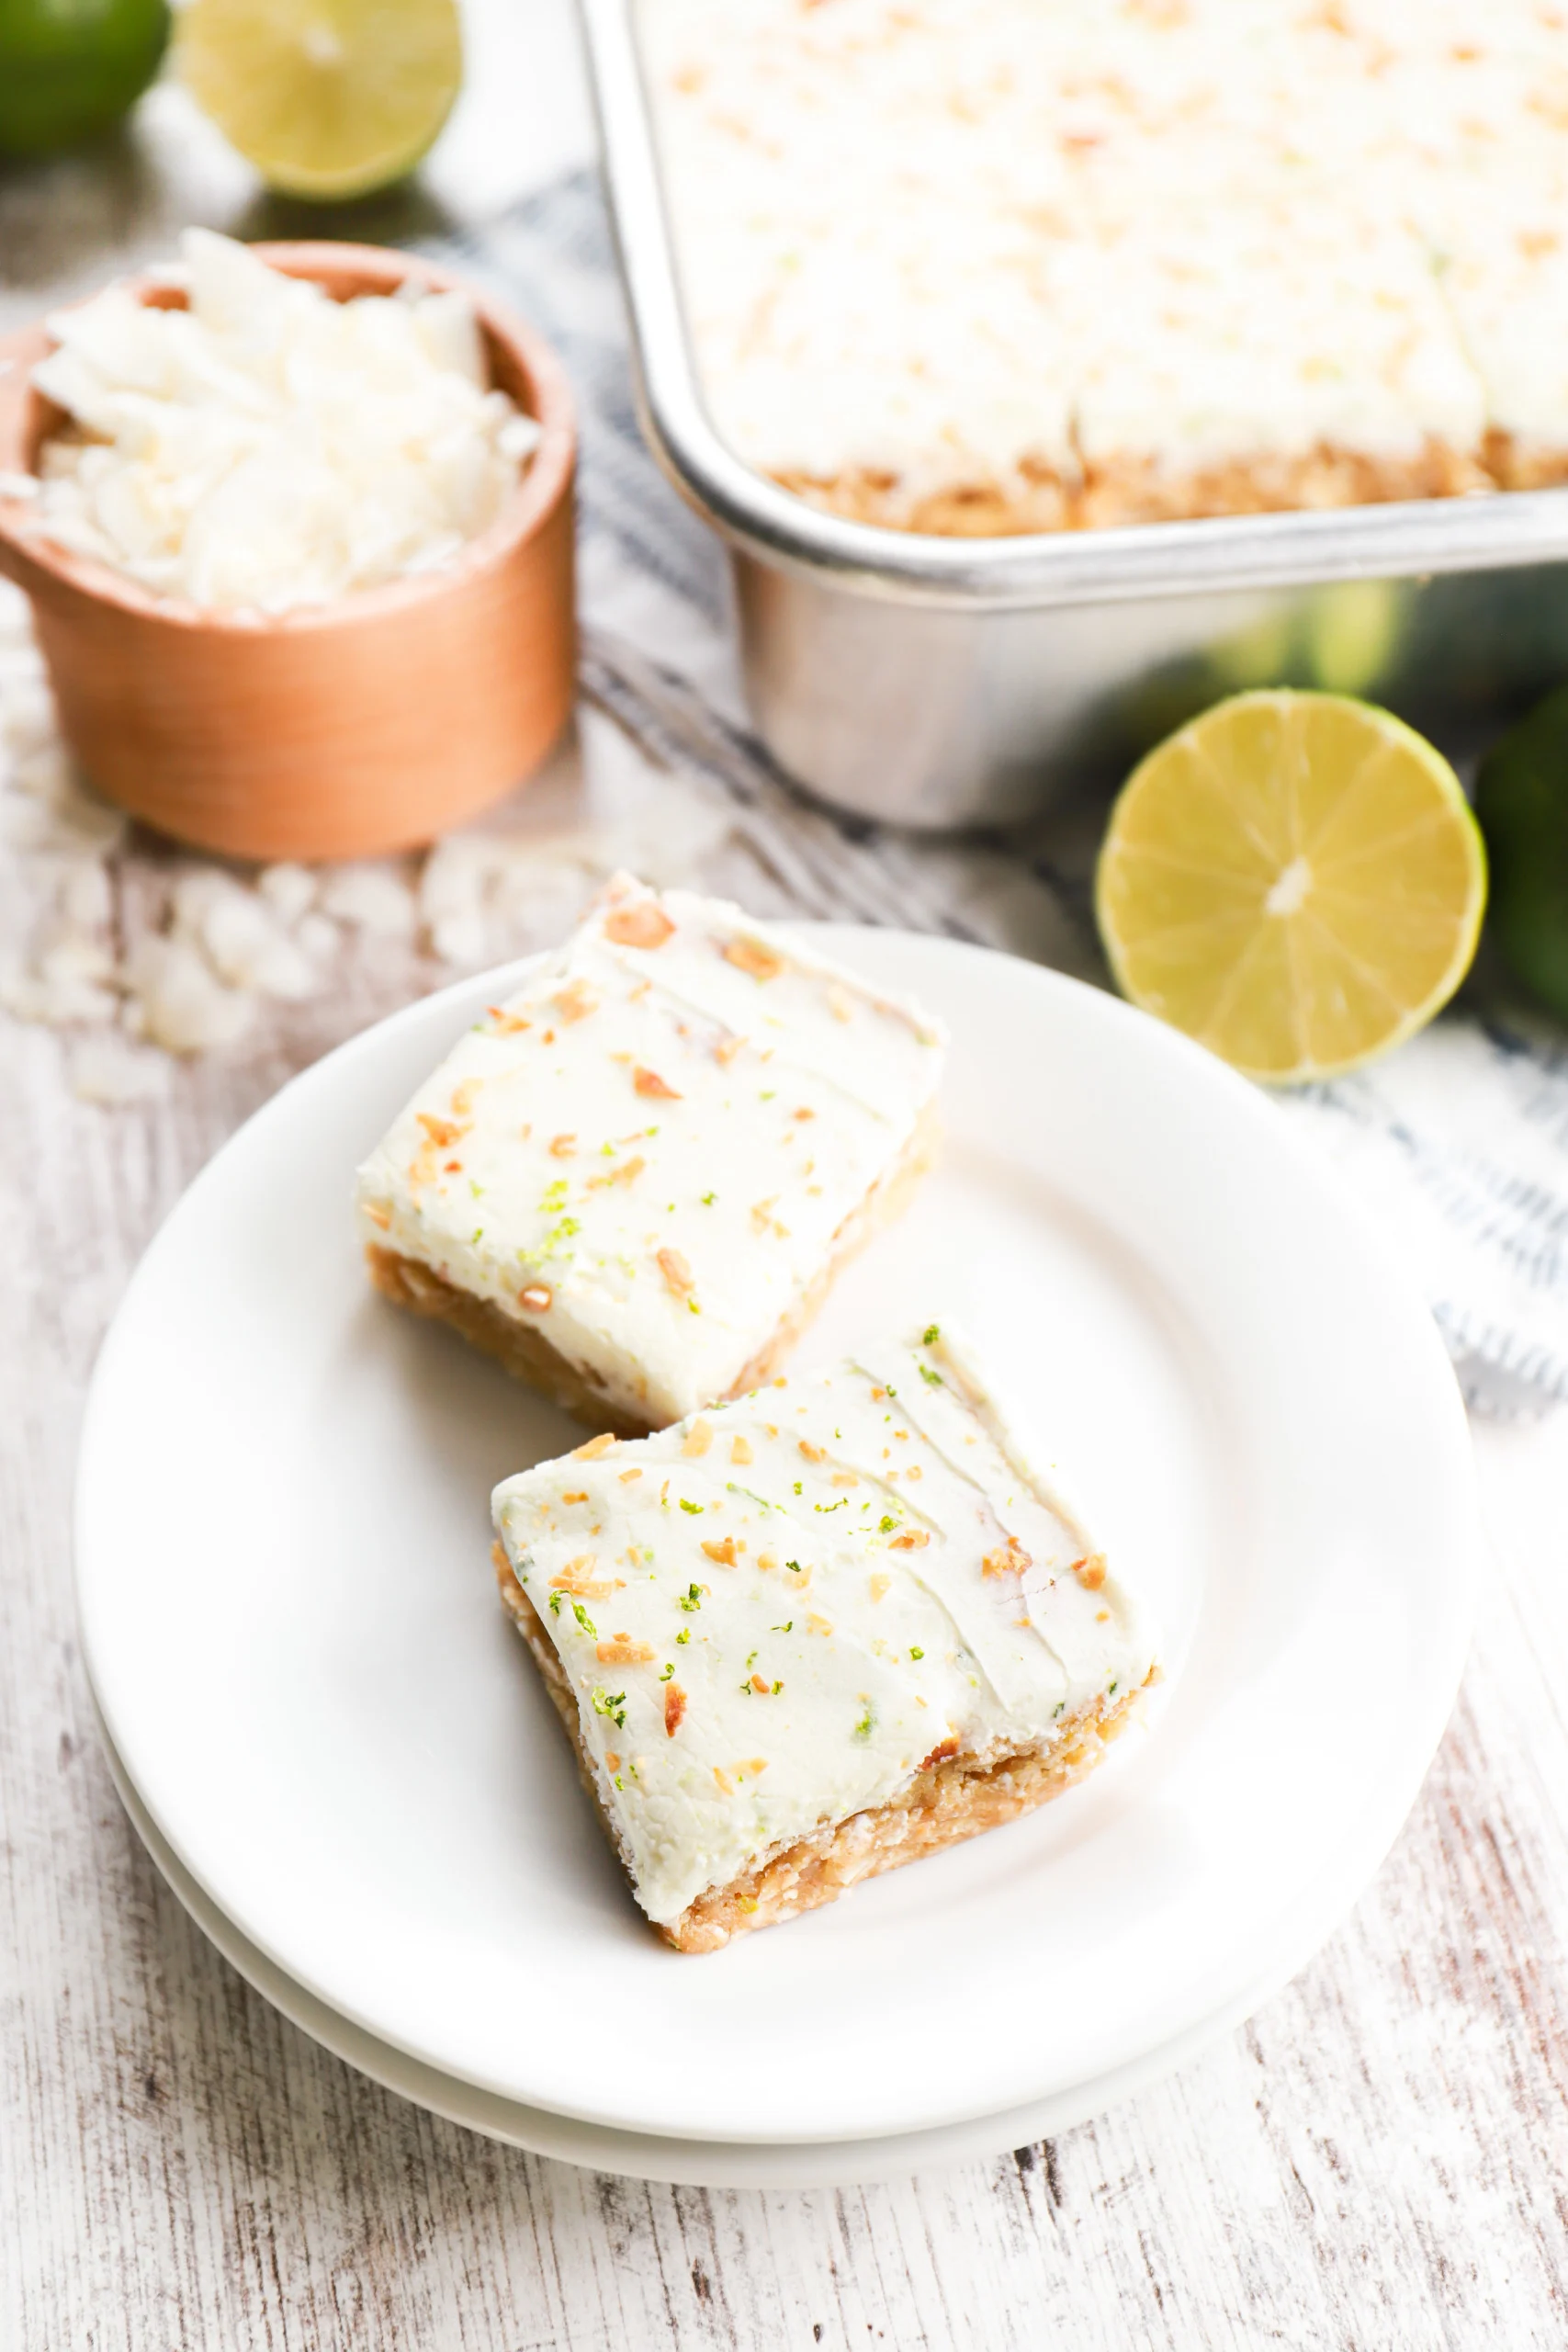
(699, 2163)
(288, 1616)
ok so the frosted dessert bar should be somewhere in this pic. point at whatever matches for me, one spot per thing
(635, 1180)
(816, 1633)
(981, 267)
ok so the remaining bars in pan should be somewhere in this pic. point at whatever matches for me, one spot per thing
(816, 1633)
(636, 1180)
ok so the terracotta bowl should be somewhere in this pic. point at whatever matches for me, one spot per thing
(338, 731)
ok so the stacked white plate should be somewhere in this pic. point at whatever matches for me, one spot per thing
(337, 1752)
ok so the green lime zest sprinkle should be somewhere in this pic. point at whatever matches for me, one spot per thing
(691, 1307)
(842, 1504)
(1109, 1693)
(695, 1508)
(708, 1199)
(611, 1703)
(787, 1627)
(931, 1335)
(584, 1620)
(692, 1598)
(769, 1095)
(916, 1653)
(753, 1659)
(477, 1189)
(668, 1671)
(798, 1486)
(556, 1599)
(932, 1379)
(867, 1722)
(886, 1523)
(794, 1567)
(619, 1783)
(686, 1636)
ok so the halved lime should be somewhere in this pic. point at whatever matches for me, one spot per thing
(1295, 879)
(325, 97)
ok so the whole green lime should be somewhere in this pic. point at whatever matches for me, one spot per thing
(70, 68)
(1521, 798)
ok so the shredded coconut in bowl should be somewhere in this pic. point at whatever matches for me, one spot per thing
(268, 447)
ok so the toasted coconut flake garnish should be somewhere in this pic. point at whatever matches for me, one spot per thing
(767, 1561)
(677, 1274)
(498, 1555)
(620, 1650)
(723, 1552)
(754, 956)
(563, 1146)
(463, 1097)
(914, 1539)
(940, 1753)
(761, 1686)
(698, 1440)
(595, 1447)
(749, 1766)
(624, 1174)
(643, 925)
(536, 1298)
(627, 1476)
(815, 1625)
(723, 1053)
(379, 1214)
(1090, 1572)
(443, 1134)
(813, 1453)
(880, 1584)
(843, 1478)
(805, 1112)
(578, 1580)
(725, 1784)
(841, 1004)
(577, 1495)
(505, 1025)
(575, 1001)
(763, 1212)
(674, 1709)
(648, 1081)
(739, 1450)
(1009, 1560)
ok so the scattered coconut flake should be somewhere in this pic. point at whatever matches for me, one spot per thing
(372, 897)
(290, 891)
(177, 1002)
(268, 447)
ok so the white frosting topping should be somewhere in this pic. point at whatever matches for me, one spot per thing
(775, 1612)
(952, 239)
(647, 1152)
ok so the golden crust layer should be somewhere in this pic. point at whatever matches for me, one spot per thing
(949, 1800)
(1139, 490)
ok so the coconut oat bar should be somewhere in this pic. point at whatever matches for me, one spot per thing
(983, 267)
(636, 1180)
(816, 1633)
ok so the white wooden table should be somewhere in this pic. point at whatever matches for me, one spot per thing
(1379, 2160)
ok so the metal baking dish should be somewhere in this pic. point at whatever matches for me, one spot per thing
(940, 682)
